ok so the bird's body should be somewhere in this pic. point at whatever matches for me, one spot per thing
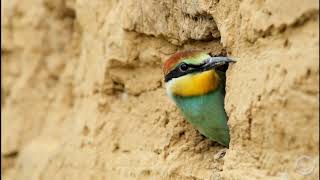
(206, 113)
(199, 92)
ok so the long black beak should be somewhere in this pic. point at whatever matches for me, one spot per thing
(214, 62)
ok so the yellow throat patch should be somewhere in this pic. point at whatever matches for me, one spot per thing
(194, 84)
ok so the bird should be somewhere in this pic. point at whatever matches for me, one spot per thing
(195, 81)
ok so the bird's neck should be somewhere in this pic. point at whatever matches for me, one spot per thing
(194, 84)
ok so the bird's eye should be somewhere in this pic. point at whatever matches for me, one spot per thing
(184, 67)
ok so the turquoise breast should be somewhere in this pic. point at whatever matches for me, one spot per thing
(206, 113)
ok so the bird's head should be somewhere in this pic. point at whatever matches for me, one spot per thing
(192, 73)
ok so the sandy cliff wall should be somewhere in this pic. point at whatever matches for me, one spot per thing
(83, 95)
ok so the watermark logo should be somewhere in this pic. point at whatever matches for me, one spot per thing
(305, 165)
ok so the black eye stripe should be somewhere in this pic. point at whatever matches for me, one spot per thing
(196, 65)
(177, 72)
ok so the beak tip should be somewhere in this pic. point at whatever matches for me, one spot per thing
(232, 59)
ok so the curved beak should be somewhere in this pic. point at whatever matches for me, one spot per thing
(214, 62)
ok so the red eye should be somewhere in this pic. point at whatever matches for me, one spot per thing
(183, 67)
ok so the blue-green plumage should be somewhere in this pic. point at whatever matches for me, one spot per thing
(207, 114)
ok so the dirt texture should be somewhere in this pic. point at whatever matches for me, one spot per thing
(83, 97)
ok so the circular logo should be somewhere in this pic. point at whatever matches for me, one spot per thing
(305, 165)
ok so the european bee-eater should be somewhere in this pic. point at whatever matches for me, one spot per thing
(197, 86)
